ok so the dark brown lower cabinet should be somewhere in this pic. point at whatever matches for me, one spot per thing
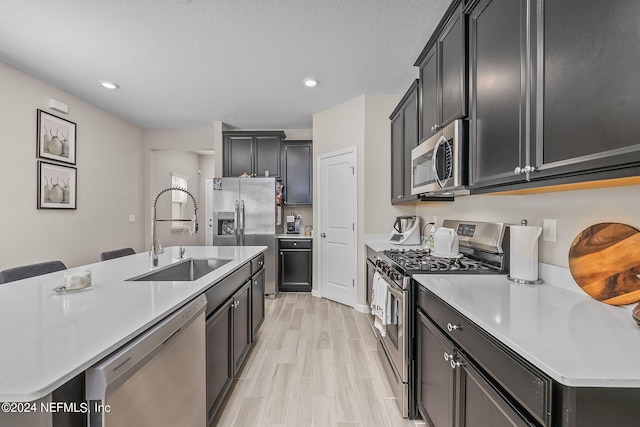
(435, 378)
(480, 404)
(452, 391)
(218, 342)
(295, 265)
(235, 312)
(241, 325)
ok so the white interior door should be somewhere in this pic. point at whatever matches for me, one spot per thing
(337, 185)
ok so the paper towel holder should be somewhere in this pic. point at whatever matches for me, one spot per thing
(524, 282)
(524, 222)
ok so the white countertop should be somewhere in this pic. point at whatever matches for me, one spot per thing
(573, 338)
(294, 236)
(380, 242)
(49, 338)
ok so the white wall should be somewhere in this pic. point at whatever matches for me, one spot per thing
(109, 161)
(362, 122)
(185, 163)
(185, 141)
(573, 211)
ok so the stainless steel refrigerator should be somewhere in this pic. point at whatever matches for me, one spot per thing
(242, 212)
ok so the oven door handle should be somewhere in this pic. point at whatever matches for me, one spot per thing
(396, 293)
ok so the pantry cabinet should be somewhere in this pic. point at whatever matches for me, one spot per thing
(255, 153)
(404, 138)
(443, 74)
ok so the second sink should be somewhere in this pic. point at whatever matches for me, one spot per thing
(184, 271)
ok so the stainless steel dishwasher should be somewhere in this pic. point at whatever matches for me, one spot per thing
(156, 380)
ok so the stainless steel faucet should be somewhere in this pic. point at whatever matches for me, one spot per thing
(154, 240)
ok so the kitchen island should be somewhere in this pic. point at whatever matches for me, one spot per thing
(49, 338)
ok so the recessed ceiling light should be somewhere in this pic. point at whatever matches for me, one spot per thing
(310, 82)
(109, 85)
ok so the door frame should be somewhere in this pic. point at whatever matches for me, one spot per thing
(353, 150)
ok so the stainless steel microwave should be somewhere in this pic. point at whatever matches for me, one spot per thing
(439, 165)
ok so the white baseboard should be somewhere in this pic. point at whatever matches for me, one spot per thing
(362, 308)
(316, 293)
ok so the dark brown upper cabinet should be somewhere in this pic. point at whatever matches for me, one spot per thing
(443, 74)
(587, 86)
(404, 138)
(297, 159)
(499, 88)
(553, 92)
(253, 153)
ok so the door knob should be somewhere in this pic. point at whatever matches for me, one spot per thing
(323, 235)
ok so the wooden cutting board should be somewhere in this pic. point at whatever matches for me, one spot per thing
(604, 260)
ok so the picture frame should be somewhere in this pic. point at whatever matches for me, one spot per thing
(56, 138)
(57, 186)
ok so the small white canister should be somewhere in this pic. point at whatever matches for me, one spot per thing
(77, 279)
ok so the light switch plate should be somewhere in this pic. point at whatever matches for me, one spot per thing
(132, 218)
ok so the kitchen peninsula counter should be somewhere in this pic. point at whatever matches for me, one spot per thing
(574, 339)
(48, 338)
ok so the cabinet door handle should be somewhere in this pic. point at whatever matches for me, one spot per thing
(517, 170)
(260, 262)
(399, 196)
(448, 357)
(235, 304)
(452, 328)
(455, 364)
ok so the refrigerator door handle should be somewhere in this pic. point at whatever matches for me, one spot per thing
(236, 224)
(242, 223)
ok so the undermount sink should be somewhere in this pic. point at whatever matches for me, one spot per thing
(183, 271)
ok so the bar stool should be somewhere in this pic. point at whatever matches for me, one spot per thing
(31, 270)
(116, 253)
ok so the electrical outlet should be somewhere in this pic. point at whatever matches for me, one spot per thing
(132, 218)
(549, 230)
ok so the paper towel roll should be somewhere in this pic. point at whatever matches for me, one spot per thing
(524, 252)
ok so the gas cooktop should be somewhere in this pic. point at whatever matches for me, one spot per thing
(484, 248)
(421, 260)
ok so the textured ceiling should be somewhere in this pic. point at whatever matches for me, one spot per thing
(187, 63)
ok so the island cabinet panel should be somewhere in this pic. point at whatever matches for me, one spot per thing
(257, 303)
(241, 325)
(235, 311)
(587, 86)
(498, 76)
(218, 344)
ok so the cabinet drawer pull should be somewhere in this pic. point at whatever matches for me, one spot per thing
(455, 365)
(260, 262)
(452, 328)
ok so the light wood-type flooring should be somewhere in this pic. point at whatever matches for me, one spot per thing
(314, 363)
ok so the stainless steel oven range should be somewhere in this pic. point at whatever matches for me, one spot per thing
(484, 249)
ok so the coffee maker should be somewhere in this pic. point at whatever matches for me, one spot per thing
(293, 224)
